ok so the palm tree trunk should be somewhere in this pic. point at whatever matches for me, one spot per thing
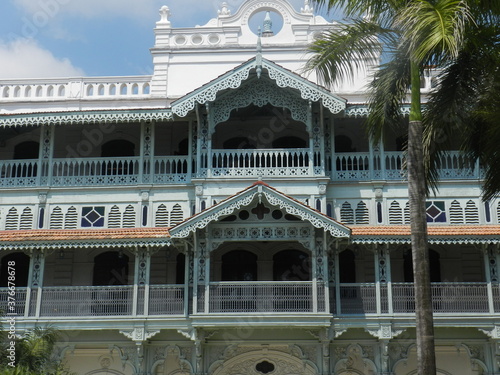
(426, 359)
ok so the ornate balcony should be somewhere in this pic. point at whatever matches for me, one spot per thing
(250, 298)
(222, 163)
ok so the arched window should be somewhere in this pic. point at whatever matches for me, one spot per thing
(180, 269)
(26, 150)
(291, 265)
(347, 267)
(110, 268)
(117, 148)
(434, 264)
(239, 265)
(289, 142)
(21, 267)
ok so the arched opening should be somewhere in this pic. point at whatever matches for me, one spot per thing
(27, 150)
(110, 268)
(347, 267)
(180, 269)
(239, 265)
(291, 265)
(434, 265)
(118, 148)
(19, 263)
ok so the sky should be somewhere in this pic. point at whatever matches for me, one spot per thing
(73, 38)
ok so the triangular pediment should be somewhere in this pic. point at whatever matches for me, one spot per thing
(260, 192)
(258, 67)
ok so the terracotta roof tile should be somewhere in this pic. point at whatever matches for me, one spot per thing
(82, 234)
(433, 230)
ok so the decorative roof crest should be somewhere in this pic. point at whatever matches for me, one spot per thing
(224, 12)
(308, 9)
(164, 14)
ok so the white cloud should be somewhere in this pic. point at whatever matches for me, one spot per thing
(24, 58)
(88, 8)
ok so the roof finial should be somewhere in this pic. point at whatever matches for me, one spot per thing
(224, 11)
(268, 26)
(308, 9)
(164, 14)
(258, 58)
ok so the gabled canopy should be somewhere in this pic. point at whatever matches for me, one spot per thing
(233, 79)
(274, 198)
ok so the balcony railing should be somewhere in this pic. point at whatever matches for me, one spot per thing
(223, 163)
(249, 298)
(454, 298)
(267, 163)
(389, 166)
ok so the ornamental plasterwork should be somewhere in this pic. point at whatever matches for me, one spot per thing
(249, 10)
(307, 89)
(209, 93)
(244, 232)
(139, 334)
(316, 221)
(85, 118)
(362, 110)
(259, 92)
(205, 218)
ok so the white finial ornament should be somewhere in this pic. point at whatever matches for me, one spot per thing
(164, 14)
(224, 11)
(308, 9)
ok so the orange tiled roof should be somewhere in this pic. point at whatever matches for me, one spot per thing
(82, 234)
(432, 230)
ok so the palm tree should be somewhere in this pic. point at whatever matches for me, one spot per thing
(410, 34)
(34, 354)
(469, 88)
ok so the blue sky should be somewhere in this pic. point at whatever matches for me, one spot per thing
(54, 38)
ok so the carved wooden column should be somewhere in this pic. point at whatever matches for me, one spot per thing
(35, 283)
(141, 281)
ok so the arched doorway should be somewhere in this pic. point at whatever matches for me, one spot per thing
(239, 265)
(111, 272)
(434, 264)
(20, 262)
(291, 265)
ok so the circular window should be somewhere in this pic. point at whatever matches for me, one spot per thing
(197, 39)
(213, 39)
(270, 23)
(180, 40)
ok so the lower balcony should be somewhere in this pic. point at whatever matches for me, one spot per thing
(247, 298)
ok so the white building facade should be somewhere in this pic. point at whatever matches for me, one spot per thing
(228, 215)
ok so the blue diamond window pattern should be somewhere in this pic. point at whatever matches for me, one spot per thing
(436, 212)
(92, 217)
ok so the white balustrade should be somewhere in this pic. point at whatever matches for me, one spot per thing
(261, 297)
(254, 163)
(358, 298)
(78, 88)
(361, 166)
(171, 169)
(166, 299)
(78, 301)
(95, 171)
(13, 303)
(18, 173)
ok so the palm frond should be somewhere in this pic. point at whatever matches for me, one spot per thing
(388, 92)
(434, 29)
(341, 52)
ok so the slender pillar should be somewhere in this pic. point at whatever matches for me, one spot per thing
(141, 281)
(35, 283)
(44, 170)
(490, 256)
